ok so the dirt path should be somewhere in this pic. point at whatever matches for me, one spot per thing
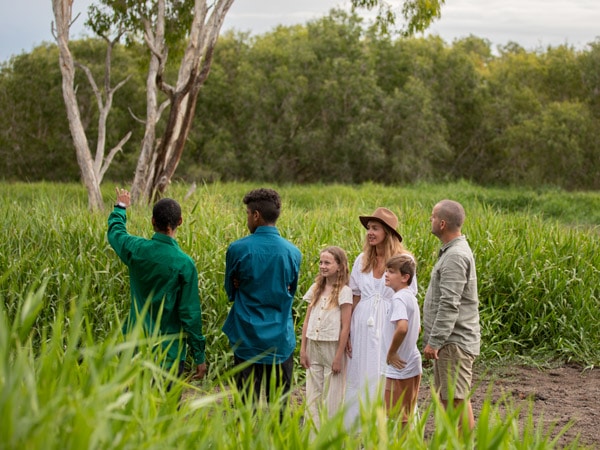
(559, 395)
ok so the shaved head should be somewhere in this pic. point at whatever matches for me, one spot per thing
(452, 213)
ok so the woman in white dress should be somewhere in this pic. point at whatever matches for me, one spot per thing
(371, 298)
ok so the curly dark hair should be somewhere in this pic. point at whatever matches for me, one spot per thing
(266, 201)
(166, 213)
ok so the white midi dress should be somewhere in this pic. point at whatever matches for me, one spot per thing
(365, 370)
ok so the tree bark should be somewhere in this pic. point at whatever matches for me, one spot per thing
(144, 172)
(158, 162)
(92, 169)
(62, 14)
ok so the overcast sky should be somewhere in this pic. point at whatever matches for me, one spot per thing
(531, 23)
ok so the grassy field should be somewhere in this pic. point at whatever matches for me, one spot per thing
(68, 380)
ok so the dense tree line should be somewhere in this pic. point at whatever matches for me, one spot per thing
(335, 101)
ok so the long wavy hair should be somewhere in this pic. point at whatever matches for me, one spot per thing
(342, 279)
(391, 246)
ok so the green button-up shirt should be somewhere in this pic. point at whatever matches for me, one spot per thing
(161, 273)
(451, 307)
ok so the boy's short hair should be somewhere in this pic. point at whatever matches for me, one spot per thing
(166, 213)
(404, 263)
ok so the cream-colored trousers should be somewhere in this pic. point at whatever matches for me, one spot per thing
(324, 389)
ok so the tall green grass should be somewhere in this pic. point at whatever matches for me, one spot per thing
(77, 392)
(68, 380)
(537, 276)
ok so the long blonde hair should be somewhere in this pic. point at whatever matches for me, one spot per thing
(342, 279)
(391, 246)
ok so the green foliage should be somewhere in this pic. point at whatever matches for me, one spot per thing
(556, 146)
(128, 17)
(537, 255)
(353, 106)
(418, 15)
(35, 140)
(32, 116)
(332, 101)
(74, 391)
(69, 379)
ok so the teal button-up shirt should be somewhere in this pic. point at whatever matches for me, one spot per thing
(260, 323)
(162, 274)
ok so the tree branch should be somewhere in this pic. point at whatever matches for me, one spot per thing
(111, 155)
(162, 108)
(90, 77)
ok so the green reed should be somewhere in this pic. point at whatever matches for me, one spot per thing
(537, 276)
(68, 378)
(75, 391)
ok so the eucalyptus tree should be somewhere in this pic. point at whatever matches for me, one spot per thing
(162, 25)
(93, 167)
(300, 103)
(417, 15)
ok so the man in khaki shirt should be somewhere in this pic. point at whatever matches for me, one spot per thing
(451, 330)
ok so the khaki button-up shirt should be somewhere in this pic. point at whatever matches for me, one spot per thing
(451, 307)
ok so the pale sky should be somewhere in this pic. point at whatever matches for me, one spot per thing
(531, 23)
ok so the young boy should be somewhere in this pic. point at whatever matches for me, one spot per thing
(403, 369)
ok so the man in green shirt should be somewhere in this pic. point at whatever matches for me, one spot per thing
(163, 275)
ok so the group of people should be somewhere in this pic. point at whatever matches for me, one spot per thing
(361, 331)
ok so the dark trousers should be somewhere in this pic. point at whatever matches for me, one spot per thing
(180, 371)
(250, 379)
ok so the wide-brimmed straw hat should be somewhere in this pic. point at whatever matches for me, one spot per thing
(386, 217)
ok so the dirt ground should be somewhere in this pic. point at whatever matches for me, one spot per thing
(561, 394)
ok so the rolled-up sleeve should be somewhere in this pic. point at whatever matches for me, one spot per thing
(452, 283)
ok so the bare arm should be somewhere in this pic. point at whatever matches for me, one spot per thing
(392, 356)
(355, 300)
(346, 315)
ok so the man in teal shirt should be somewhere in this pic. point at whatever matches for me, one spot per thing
(163, 275)
(261, 277)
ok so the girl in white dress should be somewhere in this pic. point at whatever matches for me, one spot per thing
(325, 334)
(371, 299)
